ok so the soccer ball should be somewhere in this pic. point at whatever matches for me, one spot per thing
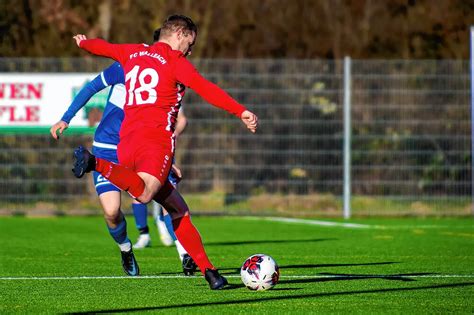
(260, 272)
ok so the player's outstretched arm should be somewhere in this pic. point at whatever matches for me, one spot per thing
(250, 120)
(97, 46)
(110, 76)
(100, 47)
(213, 94)
(59, 126)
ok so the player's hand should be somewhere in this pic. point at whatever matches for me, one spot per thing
(176, 173)
(61, 126)
(79, 38)
(250, 120)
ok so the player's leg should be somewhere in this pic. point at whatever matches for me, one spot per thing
(143, 167)
(153, 160)
(109, 197)
(140, 212)
(188, 264)
(121, 176)
(188, 235)
(162, 218)
(168, 238)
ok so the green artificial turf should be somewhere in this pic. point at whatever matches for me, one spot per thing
(70, 264)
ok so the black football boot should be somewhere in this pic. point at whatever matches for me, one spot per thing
(216, 281)
(129, 263)
(84, 162)
(189, 266)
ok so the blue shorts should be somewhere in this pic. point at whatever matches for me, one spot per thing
(102, 184)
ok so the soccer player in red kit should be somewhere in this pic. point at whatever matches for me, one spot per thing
(154, 78)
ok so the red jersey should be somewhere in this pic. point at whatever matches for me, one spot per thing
(153, 78)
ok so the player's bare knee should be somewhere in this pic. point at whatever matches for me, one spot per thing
(112, 218)
(144, 198)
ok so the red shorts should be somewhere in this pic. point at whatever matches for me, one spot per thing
(148, 151)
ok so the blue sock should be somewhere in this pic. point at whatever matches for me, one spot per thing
(161, 215)
(119, 234)
(169, 226)
(140, 212)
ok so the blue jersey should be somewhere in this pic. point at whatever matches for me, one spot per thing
(106, 136)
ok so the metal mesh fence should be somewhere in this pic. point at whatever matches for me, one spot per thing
(410, 141)
(411, 135)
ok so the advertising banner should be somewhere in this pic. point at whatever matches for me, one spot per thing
(40, 99)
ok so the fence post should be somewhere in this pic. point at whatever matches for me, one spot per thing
(472, 117)
(347, 137)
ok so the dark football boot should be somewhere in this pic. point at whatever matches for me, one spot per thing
(84, 162)
(129, 263)
(189, 266)
(216, 281)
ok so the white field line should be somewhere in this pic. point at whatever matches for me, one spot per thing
(313, 222)
(237, 276)
(355, 225)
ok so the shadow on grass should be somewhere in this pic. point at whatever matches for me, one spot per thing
(306, 266)
(337, 265)
(325, 277)
(268, 242)
(278, 298)
(229, 271)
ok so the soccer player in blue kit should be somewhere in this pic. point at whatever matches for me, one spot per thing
(105, 143)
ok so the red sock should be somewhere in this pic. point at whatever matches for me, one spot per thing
(121, 176)
(189, 237)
